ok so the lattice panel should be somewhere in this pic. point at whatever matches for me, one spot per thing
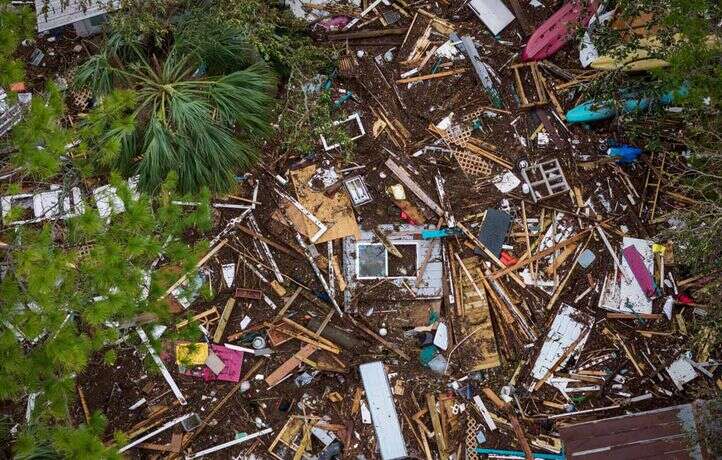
(471, 116)
(81, 97)
(457, 135)
(472, 427)
(472, 164)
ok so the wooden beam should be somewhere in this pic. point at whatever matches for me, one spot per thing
(438, 433)
(433, 76)
(227, 310)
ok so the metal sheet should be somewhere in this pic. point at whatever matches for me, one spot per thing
(493, 13)
(389, 436)
(671, 432)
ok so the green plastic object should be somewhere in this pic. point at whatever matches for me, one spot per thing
(428, 353)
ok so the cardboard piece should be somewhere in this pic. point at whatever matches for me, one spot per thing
(336, 212)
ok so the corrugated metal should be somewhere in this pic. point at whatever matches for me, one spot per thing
(63, 12)
(668, 433)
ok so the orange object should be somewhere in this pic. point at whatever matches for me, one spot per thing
(17, 87)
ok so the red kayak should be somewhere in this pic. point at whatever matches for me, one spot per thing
(555, 31)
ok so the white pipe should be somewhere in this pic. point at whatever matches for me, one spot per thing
(228, 444)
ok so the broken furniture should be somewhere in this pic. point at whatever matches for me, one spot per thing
(540, 97)
(37, 207)
(545, 179)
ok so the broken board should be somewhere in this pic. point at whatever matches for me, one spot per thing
(622, 293)
(567, 328)
(477, 315)
(336, 212)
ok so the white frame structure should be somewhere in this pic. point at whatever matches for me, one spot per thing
(386, 260)
(353, 116)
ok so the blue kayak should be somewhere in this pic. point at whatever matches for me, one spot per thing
(591, 111)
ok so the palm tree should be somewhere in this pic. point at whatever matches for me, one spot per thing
(201, 109)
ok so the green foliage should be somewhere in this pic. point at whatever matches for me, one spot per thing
(685, 28)
(203, 128)
(16, 24)
(39, 140)
(64, 312)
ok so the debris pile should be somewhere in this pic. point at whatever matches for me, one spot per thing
(480, 277)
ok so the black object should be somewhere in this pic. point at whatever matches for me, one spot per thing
(493, 231)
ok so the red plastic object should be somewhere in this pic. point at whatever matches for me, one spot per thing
(406, 218)
(554, 33)
(685, 299)
(507, 259)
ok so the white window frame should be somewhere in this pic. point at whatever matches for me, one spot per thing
(386, 260)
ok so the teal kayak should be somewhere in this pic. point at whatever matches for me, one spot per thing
(592, 111)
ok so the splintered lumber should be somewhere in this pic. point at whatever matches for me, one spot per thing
(227, 310)
(269, 242)
(477, 314)
(233, 442)
(203, 260)
(155, 432)
(432, 76)
(541, 254)
(84, 403)
(489, 254)
(190, 436)
(163, 370)
(289, 365)
(368, 34)
(438, 433)
(515, 425)
(413, 186)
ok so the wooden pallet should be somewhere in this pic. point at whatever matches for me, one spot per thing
(476, 315)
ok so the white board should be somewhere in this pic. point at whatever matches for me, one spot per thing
(567, 327)
(623, 293)
(493, 13)
(390, 439)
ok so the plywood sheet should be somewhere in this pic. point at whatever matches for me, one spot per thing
(476, 314)
(336, 211)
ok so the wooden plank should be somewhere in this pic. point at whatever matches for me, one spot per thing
(289, 365)
(438, 434)
(227, 310)
(432, 76)
(541, 254)
(477, 314)
(413, 186)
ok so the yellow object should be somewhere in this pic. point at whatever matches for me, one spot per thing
(638, 60)
(635, 60)
(658, 248)
(191, 354)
